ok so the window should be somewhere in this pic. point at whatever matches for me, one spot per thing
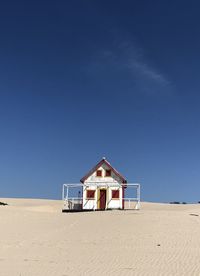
(108, 172)
(99, 173)
(90, 194)
(115, 194)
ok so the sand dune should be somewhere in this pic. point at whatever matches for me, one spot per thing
(37, 239)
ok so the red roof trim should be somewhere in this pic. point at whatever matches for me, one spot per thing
(99, 165)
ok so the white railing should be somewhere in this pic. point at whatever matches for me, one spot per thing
(75, 203)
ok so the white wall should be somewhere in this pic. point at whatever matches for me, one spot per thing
(114, 203)
(110, 203)
(89, 203)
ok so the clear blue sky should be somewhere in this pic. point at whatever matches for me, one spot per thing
(84, 79)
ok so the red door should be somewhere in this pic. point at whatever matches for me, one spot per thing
(102, 199)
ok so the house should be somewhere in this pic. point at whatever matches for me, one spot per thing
(103, 188)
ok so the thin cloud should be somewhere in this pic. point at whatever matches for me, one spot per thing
(128, 57)
(147, 71)
(132, 58)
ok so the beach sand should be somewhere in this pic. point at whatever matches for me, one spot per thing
(37, 239)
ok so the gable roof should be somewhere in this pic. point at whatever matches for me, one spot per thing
(103, 161)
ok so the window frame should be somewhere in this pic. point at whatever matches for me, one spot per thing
(114, 196)
(90, 197)
(108, 170)
(97, 173)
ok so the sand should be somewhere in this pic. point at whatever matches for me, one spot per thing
(36, 238)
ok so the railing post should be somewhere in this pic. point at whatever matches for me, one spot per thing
(137, 207)
(67, 193)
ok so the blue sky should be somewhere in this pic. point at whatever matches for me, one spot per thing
(84, 79)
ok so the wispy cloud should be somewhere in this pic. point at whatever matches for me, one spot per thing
(127, 56)
(140, 67)
(132, 57)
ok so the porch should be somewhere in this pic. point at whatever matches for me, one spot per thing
(75, 198)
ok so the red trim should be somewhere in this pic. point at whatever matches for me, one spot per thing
(82, 196)
(103, 161)
(123, 197)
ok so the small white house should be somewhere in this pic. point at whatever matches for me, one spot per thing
(103, 188)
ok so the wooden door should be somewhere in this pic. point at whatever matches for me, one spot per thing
(102, 199)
